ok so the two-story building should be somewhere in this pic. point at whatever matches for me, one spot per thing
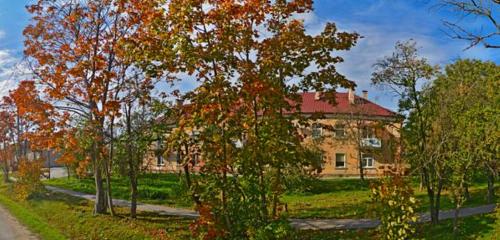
(352, 134)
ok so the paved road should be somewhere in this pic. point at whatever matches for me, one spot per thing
(11, 229)
(323, 224)
(311, 224)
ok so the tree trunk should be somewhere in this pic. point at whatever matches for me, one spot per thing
(5, 172)
(107, 169)
(275, 195)
(263, 199)
(437, 203)
(455, 221)
(67, 171)
(421, 185)
(132, 173)
(433, 199)
(109, 195)
(361, 170)
(466, 192)
(189, 183)
(133, 191)
(100, 194)
(491, 187)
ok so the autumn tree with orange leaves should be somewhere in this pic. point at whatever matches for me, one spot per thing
(7, 138)
(74, 51)
(251, 59)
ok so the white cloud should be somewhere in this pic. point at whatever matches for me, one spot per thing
(11, 71)
(379, 39)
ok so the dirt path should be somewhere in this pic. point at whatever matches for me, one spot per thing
(305, 224)
(11, 229)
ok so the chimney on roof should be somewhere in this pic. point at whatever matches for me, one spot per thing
(317, 96)
(350, 95)
(365, 94)
(179, 102)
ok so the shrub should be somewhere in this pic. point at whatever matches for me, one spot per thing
(395, 206)
(28, 179)
(278, 229)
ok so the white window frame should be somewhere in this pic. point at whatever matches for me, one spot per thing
(338, 127)
(365, 158)
(316, 127)
(345, 160)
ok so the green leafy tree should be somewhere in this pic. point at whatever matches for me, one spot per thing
(465, 123)
(404, 73)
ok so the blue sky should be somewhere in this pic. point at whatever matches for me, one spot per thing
(380, 22)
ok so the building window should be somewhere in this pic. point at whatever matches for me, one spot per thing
(160, 161)
(340, 161)
(367, 132)
(195, 159)
(340, 131)
(367, 160)
(317, 130)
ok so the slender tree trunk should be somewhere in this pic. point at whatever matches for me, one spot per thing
(131, 166)
(466, 192)
(48, 161)
(189, 182)
(437, 203)
(108, 167)
(133, 190)
(109, 195)
(455, 221)
(5, 171)
(433, 199)
(421, 185)
(276, 195)
(361, 170)
(491, 187)
(262, 181)
(68, 171)
(458, 204)
(100, 195)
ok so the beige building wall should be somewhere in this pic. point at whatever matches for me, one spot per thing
(384, 158)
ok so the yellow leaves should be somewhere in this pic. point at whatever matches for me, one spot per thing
(28, 178)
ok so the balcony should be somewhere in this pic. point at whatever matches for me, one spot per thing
(371, 142)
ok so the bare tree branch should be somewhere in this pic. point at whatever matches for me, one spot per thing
(481, 9)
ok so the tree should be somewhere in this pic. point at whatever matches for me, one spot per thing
(403, 73)
(484, 10)
(138, 131)
(75, 50)
(465, 122)
(7, 134)
(251, 59)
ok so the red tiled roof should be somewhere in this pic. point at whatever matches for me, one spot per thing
(342, 106)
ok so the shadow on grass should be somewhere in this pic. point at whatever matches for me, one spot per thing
(475, 227)
(345, 210)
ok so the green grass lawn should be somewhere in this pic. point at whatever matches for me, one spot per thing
(165, 189)
(350, 198)
(482, 227)
(57, 216)
(326, 198)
